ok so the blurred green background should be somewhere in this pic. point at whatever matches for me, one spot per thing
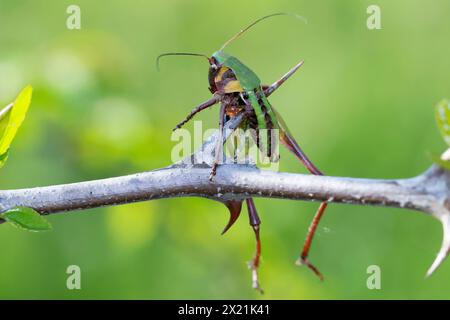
(361, 106)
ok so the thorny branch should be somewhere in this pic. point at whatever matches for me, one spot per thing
(428, 192)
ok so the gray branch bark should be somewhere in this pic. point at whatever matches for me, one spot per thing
(429, 192)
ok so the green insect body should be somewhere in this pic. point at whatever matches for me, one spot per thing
(250, 83)
(248, 79)
(251, 86)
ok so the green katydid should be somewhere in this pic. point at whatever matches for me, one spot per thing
(238, 89)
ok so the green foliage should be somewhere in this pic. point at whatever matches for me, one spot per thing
(443, 119)
(26, 218)
(440, 162)
(11, 118)
(442, 114)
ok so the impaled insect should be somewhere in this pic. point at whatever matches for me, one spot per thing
(239, 90)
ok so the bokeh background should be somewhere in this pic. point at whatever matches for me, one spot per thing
(361, 106)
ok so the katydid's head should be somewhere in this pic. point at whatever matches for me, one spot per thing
(222, 76)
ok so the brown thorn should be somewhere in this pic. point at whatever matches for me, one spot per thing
(235, 210)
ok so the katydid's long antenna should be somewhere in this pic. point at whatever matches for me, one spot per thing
(178, 54)
(237, 35)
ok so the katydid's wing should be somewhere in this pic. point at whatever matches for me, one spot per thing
(289, 142)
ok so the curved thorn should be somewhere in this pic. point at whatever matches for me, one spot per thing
(445, 247)
(235, 210)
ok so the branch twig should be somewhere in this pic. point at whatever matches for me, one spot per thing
(428, 192)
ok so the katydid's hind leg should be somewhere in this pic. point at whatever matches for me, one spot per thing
(196, 110)
(293, 146)
(255, 223)
(219, 144)
(289, 142)
(303, 259)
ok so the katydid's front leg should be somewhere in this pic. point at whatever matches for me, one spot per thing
(201, 107)
(218, 156)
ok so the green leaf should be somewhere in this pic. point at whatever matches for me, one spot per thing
(11, 118)
(26, 218)
(3, 158)
(443, 119)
